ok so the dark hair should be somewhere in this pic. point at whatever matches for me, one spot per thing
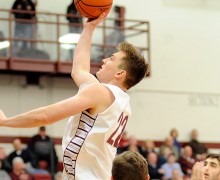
(213, 156)
(42, 128)
(130, 166)
(134, 64)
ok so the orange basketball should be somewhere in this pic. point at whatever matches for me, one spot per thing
(92, 8)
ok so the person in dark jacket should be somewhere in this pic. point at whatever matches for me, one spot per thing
(23, 23)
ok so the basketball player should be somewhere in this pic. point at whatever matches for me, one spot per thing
(100, 109)
(130, 166)
(207, 170)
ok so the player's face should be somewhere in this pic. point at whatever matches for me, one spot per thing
(212, 169)
(110, 67)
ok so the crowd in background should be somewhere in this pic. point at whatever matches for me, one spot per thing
(170, 161)
(38, 157)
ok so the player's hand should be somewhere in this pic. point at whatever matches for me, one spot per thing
(2, 115)
(198, 171)
(95, 22)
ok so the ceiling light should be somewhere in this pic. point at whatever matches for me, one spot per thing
(4, 44)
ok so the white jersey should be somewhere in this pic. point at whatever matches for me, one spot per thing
(90, 142)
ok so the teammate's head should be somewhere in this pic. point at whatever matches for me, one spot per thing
(125, 68)
(212, 167)
(130, 166)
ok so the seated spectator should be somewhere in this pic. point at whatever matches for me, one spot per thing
(19, 151)
(163, 155)
(148, 146)
(199, 149)
(3, 174)
(170, 144)
(18, 170)
(130, 166)
(169, 166)
(133, 146)
(174, 134)
(5, 165)
(187, 161)
(42, 147)
(154, 171)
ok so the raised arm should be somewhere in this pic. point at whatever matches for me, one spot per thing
(81, 59)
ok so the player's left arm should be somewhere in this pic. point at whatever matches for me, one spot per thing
(87, 98)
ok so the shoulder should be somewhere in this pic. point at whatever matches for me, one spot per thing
(98, 92)
(95, 89)
(97, 95)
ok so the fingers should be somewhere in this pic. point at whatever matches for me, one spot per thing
(99, 19)
(198, 171)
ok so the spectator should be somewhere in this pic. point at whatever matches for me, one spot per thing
(199, 149)
(170, 144)
(130, 166)
(171, 165)
(148, 146)
(5, 165)
(154, 171)
(115, 37)
(163, 155)
(18, 170)
(3, 174)
(174, 134)
(43, 149)
(187, 161)
(19, 151)
(133, 146)
(23, 29)
(34, 25)
(75, 23)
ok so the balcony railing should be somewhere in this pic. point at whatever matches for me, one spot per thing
(47, 54)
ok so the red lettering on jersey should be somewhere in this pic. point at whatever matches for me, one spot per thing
(114, 141)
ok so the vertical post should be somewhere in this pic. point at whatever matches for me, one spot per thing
(104, 39)
(149, 49)
(58, 44)
(10, 40)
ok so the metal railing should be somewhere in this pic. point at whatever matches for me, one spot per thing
(47, 54)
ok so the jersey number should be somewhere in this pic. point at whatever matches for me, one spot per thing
(113, 140)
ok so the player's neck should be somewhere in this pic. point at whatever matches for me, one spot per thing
(121, 86)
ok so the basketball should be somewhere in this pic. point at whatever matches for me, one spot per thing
(92, 8)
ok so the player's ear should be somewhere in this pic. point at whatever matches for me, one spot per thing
(121, 74)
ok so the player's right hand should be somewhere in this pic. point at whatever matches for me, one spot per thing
(95, 22)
